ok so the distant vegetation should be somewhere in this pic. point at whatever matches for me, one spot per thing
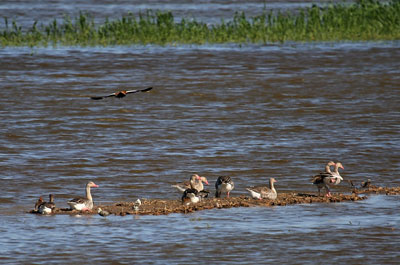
(363, 20)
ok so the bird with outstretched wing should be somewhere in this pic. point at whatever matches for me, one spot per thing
(123, 93)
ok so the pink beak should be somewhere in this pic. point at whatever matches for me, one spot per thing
(95, 186)
(206, 182)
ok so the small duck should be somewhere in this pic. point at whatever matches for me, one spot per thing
(83, 204)
(38, 203)
(366, 184)
(195, 182)
(47, 207)
(264, 192)
(224, 184)
(103, 213)
(203, 194)
(190, 196)
(136, 205)
(122, 93)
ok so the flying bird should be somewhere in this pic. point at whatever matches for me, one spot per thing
(122, 93)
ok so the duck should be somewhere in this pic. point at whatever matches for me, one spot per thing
(323, 178)
(264, 192)
(137, 204)
(38, 203)
(103, 213)
(83, 204)
(190, 196)
(47, 207)
(195, 182)
(224, 184)
(366, 184)
(122, 93)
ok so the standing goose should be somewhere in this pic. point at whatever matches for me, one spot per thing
(47, 207)
(195, 182)
(223, 184)
(83, 204)
(324, 178)
(336, 176)
(264, 192)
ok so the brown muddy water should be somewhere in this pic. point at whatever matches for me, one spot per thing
(251, 112)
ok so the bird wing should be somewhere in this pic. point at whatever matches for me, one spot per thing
(139, 90)
(127, 92)
(78, 200)
(101, 97)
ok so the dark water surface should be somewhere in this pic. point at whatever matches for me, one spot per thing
(251, 112)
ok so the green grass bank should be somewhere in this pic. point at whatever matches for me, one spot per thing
(360, 21)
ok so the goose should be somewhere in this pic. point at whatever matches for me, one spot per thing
(224, 184)
(83, 204)
(336, 176)
(47, 207)
(122, 93)
(323, 178)
(264, 192)
(190, 196)
(195, 182)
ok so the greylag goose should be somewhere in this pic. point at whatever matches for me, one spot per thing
(195, 182)
(323, 178)
(83, 204)
(336, 176)
(224, 184)
(190, 196)
(103, 213)
(264, 192)
(47, 207)
(122, 93)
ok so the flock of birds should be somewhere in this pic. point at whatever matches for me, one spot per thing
(193, 191)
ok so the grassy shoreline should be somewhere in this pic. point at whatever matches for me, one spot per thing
(361, 21)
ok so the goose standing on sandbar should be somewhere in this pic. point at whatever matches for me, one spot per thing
(47, 207)
(224, 184)
(195, 182)
(264, 192)
(83, 204)
(324, 178)
(336, 176)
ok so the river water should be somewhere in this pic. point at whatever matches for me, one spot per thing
(249, 111)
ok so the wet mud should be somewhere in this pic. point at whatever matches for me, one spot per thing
(165, 206)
